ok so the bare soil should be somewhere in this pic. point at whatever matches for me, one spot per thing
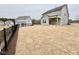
(48, 40)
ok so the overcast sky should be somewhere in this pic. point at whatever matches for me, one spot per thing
(34, 10)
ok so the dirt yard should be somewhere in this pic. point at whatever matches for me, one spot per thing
(48, 40)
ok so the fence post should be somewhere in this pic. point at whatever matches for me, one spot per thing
(5, 40)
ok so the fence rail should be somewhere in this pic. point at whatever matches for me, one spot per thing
(5, 35)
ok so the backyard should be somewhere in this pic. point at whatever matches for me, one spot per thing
(39, 39)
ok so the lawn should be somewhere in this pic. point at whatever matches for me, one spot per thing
(54, 40)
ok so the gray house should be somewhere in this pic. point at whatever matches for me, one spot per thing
(23, 21)
(9, 23)
(2, 23)
(56, 16)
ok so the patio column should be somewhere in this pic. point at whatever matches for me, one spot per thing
(57, 19)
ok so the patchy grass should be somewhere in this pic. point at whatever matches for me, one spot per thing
(49, 39)
(2, 33)
(1, 36)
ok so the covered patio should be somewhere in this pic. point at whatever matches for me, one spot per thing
(54, 20)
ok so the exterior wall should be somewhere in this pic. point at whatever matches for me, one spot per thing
(65, 16)
(45, 17)
(20, 22)
(28, 21)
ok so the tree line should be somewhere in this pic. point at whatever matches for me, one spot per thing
(7, 19)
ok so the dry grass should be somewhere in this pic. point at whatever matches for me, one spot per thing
(2, 33)
(41, 39)
(2, 27)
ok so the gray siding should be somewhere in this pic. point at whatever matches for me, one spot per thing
(45, 17)
(65, 17)
(27, 21)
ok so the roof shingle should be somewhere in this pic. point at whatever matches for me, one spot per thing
(55, 9)
(22, 17)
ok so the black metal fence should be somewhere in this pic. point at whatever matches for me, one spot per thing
(5, 36)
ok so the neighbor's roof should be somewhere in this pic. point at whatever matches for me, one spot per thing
(23, 17)
(55, 9)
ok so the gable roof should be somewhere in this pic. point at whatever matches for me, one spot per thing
(55, 9)
(22, 17)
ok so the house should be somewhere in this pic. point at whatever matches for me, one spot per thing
(1, 23)
(9, 23)
(56, 16)
(23, 21)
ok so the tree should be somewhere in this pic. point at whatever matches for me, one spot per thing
(7, 19)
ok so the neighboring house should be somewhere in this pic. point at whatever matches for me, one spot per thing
(56, 16)
(23, 21)
(1, 23)
(9, 23)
